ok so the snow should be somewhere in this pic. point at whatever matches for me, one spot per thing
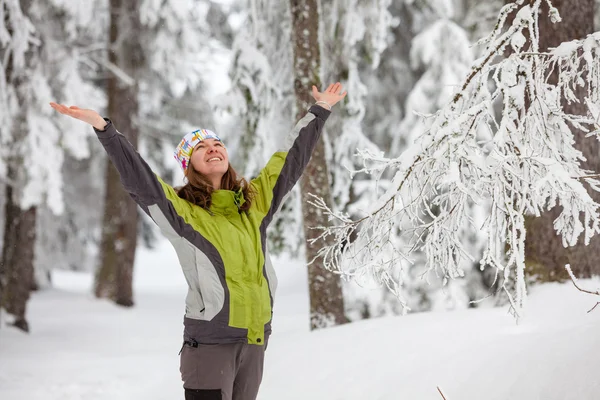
(83, 348)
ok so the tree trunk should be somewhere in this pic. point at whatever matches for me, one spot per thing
(114, 278)
(16, 266)
(545, 256)
(18, 248)
(326, 300)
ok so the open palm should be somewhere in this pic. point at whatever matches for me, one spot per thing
(86, 115)
(332, 95)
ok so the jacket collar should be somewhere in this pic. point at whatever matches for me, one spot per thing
(226, 201)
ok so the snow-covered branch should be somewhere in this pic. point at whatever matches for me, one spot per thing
(519, 163)
(574, 280)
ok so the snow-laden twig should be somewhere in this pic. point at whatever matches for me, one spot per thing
(470, 160)
(574, 280)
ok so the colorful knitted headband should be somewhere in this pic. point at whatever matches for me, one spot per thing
(183, 152)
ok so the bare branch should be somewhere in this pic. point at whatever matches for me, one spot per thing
(442, 394)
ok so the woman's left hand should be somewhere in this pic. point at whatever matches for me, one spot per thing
(332, 95)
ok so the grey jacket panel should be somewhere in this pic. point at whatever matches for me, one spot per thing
(206, 296)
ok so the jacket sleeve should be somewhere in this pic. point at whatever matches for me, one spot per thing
(285, 167)
(158, 199)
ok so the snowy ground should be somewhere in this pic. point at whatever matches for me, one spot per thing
(84, 349)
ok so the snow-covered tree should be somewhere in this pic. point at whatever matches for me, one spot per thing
(355, 33)
(44, 62)
(440, 56)
(181, 52)
(353, 36)
(418, 71)
(545, 257)
(392, 80)
(70, 239)
(518, 163)
(260, 75)
(41, 64)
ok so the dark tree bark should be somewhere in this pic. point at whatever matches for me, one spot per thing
(326, 300)
(545, 256)
(119, 229)
(18, 249)
(16, 265)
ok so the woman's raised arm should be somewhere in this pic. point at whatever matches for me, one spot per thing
(287, 165)
(136, 176)
(151, 193)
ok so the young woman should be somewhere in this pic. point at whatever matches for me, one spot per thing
(217, 223)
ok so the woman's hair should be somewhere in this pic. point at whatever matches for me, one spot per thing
(198, 189)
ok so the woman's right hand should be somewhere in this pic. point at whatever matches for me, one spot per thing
(89, 116)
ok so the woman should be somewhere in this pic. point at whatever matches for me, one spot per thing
(217, 223)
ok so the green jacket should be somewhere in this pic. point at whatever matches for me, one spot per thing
(223, 253)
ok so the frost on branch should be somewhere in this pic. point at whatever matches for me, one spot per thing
(520, 162)
(574, 280)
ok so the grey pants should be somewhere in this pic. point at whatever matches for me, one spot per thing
(222, 371)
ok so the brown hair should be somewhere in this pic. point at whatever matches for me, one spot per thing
(198, 190)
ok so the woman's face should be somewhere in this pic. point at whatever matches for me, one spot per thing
(210, 158)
